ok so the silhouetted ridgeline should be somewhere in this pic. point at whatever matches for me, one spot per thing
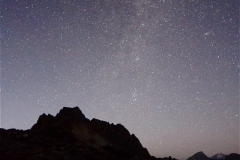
(71, 136)
(220, 156)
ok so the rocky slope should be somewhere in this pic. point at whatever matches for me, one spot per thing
(70, 135)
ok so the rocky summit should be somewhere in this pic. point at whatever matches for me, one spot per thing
(71, 136)
(198, 156)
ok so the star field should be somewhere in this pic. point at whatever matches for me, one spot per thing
(168, 70)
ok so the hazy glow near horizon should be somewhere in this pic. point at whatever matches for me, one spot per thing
(167, 70)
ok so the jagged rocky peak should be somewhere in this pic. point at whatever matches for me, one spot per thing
(72, 114)
(65, 117)
(71, 122)
(43, 121)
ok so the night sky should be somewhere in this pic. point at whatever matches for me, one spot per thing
(168, 70)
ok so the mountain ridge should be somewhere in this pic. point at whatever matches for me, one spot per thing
(219, 156)
(70, 135)
(201, 156)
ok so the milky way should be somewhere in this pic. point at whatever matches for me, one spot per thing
(168, 70)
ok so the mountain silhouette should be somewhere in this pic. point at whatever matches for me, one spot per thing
(198, 156)
(202, 156)
(219, 156)
(70, 136)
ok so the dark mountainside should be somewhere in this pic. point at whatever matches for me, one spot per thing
(71, 136)
(233, 156)
(199, 156)
(202, 156)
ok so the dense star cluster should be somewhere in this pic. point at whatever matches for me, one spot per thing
(168, 70)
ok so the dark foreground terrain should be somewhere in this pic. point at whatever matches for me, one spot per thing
(71, 136)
